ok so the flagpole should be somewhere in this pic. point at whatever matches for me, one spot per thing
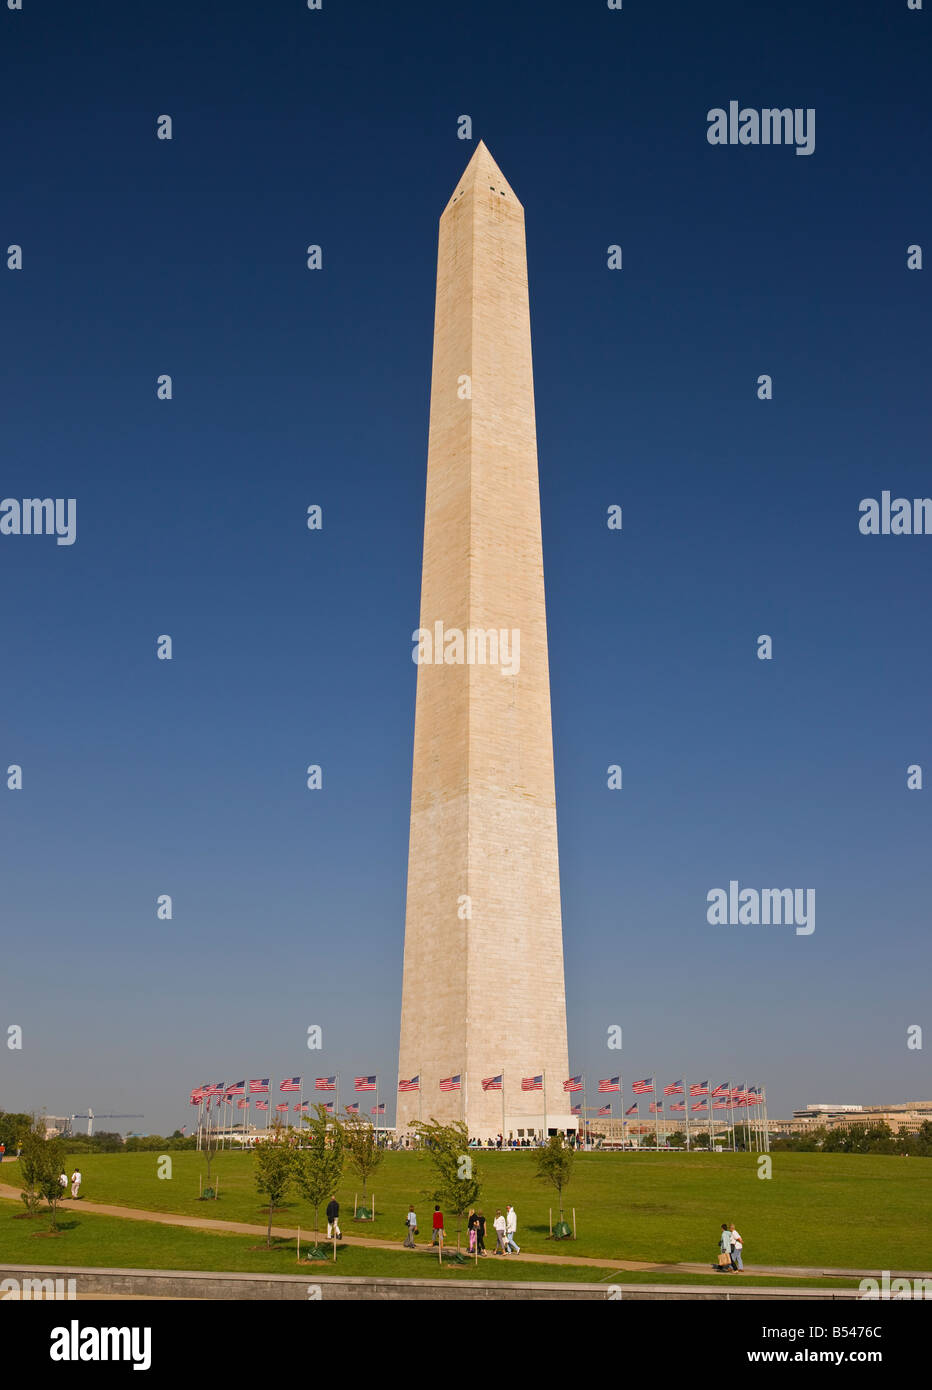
(686, 1099)
(766, 1122)
(543, 1077)
(585, 1092)
(731, 1116)
(656, 1116)
(624, 1122)
(503, 1102)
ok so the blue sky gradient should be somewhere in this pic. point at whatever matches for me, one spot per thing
(293, 387)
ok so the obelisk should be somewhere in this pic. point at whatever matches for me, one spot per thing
(483, 991)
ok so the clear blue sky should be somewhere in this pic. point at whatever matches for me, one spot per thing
(294, 387)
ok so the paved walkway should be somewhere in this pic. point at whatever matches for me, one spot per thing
(206, 1223)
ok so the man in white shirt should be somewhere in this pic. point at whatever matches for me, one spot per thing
(75, 1182)
(411, 1227)
(500, 1230)
(511, 1227)
(737, 1245)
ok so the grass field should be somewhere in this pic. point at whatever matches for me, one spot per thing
(88, 1239)
(848, 1211)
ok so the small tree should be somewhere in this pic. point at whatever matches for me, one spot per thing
(53, 1167)
(41, 1162)
(456, 1178)
(32, 1164)
(319, 1162)
(555, 1165)
(275, 1168)
(360, 1141)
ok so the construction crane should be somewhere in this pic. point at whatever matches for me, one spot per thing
(91, 1117)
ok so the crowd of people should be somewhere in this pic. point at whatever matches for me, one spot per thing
(505, 1226)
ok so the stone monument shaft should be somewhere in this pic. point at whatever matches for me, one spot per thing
(483, 990)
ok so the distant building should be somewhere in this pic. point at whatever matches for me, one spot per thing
(908, 1115)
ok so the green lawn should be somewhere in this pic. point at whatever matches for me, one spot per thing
(844, 1210)
(86, 1239)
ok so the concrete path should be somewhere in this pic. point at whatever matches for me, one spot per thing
(206, 1223)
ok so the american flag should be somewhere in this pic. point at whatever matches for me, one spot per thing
(532, 1083)
(228, 1100)
(364, 1083)
(677, 1105)
(215, 1090)
(700, 1105)
(451, 1083)
(699, 1088)
(721, 1090)
(236, 1088)
(492, 1083)
(632, 1109)
(325, 1083)
(378, 1109)
(262, 1105)
(197, 1097)
(610, 1083)
(291, 1083)
(327, 1105)
(282, 1106)
(302, 1105)
(413, 1085)
(720, 1105)
(656, 1107)
(675, 1088)
(242, 1105)
(183, 1128)
(643, 1088)
(575, 1109)
(260, 1087)
(604, 1110)
(354, 1108)
(575, 1083)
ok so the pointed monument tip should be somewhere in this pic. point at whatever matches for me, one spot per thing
(482, 174)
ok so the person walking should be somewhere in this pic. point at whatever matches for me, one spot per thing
(2, 1151)
(472, 1228)
(737, 1245)
(63, 1183)
(724, 1247)
(511, 1228)
(75, 1182)
(480, 1233)
(410, 1228)
(501, 1233)
(438, 1227)
(333, 1219)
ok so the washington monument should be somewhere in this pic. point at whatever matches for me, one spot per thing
(483, 994)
